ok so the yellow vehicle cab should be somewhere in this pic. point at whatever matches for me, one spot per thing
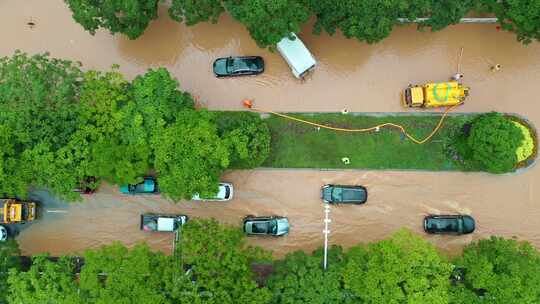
(441, 94)
(14, 211)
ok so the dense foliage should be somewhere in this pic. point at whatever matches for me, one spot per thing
(247, 137)
(61, 126)
(492, 143)
(300, 278)
(270, 21)
(213, 264)
(519, 16)
(402, 269)
(221, 262)
(195, 11)
(190, 156)
(38, 117)
(130, 17)
(9, 260)
(497, 270)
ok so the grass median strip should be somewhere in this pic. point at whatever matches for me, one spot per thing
(297, 145)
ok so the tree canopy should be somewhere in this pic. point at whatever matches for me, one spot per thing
(498, 270)
(269, 21)
(129, 17)
(402, 269)
(195, 11)
(493, 142)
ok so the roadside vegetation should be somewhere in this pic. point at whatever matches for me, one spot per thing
(466, 142)
(60, 125)
(269, 21)
(214, 265)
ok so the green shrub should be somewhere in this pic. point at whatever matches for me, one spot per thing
(247, 137)
(493, 142)
(527, 145)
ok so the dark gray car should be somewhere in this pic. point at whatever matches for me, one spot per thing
(238, 66)
(336, 194)
(449, 224)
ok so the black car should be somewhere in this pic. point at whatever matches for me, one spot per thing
(335, 194)
(238, 66)
(449, 224)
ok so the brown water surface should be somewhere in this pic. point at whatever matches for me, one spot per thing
(350, 75)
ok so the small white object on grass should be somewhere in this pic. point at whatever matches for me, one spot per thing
(346, 160)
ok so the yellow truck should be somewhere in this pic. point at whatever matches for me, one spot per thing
(14, 211)
(441, 94)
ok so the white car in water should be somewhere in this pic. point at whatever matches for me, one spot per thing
(225, 193)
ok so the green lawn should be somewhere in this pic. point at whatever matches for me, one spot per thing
(297, 145)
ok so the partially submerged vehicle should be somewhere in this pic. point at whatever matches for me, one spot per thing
(442, 94)
(147, 186)
(344, 194)
(225, 193)
(297, 55)
(87, 185)
(162, 222)
(14, 211)
(238, 66)
(265, 225)
(449, 224)
(3, 233)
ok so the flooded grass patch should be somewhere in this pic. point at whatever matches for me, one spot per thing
(300, 145)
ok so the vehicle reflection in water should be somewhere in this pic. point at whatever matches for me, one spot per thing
(350, 75)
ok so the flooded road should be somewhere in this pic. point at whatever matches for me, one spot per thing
(350, 75)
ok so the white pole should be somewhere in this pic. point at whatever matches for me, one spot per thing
(326, 232)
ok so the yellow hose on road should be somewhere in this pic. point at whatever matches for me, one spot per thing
(248, 104)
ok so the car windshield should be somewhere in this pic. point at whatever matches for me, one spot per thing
(336, 194)
(273, 226)
(236, 65)
(446, 225)
(260, 227)
(227, 192)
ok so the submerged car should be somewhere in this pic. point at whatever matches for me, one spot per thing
(266, 225)
(147, 186)
(238, 66)
(87, 185)
(225, 193)
(336, 194)
(3, 233)
(162, 222)
(449, 224)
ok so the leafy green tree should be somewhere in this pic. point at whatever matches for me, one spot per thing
(130, 17)
(443, 13)
(195, 11)
(269, 21)
(493, 141)
(519, 16)
(221, 262)
(189, 156)
(300, 278)
(247, 137)
(369, 21)
(45, 282)
(498, 271)
(38, 115)
(9, 260)
(402, 269)
(114, 274)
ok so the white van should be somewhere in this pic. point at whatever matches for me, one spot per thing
(297, 56)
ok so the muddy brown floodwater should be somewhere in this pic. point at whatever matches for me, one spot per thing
(350, 75)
